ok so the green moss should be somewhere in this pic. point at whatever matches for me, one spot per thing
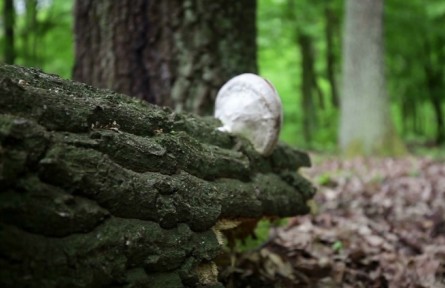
(165, 280)
(98, 189)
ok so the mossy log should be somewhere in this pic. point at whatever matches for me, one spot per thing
(101, 190)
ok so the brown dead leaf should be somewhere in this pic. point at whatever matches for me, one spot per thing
(380, 224)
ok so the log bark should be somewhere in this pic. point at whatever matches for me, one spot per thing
(101, 190)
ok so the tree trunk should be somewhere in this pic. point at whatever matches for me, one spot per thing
(308, 81)
(9, 20)
(31, 33)
(331, 25)
(101, 190)
(436, 101)
(365, 125)
(407, 114)
(171, 53)
(435, 82)
(308, 84)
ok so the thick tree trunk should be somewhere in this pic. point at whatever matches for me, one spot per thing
(365, 124)
(171, 53)
(9, 17)
(101, 190)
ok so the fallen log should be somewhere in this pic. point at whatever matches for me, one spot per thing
(101, 190)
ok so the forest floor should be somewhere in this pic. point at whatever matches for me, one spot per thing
(374, 223)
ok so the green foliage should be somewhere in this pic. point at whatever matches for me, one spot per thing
(408, 28)
(414, 43)
(324, 179)
(279, 61)
(262, 234)
(337, 246)
(47, 43)
(426, 151)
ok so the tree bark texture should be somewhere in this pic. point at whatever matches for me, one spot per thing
(101, 190)
(365, 124)
(171, 53)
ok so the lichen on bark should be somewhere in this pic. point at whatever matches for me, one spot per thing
(98, 189)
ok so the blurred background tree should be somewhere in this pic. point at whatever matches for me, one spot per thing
(365, 124)
(8, 28)
(299, 50)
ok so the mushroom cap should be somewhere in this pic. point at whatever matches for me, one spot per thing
(249, 105)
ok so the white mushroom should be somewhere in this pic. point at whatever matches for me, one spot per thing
(250, 106)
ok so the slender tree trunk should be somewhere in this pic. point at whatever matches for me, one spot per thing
(409, 114)
(173, 53)
(406, 114)
(331, 25)
(435, 82)
(307, 85)
(9, 18)
(420, 119)
(365, 124)
(308, 82)
(435, 87)
(415, 116)
(438, 111)
(30, 34)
